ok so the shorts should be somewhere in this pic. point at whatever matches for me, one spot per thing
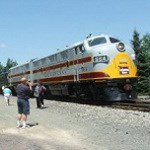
(7, 96)
(23, 106)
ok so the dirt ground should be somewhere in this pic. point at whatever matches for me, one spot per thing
(71, 126)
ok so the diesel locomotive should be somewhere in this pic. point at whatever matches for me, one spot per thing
(100, 68)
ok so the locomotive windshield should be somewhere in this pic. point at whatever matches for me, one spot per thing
(97, 41)
(113, 40)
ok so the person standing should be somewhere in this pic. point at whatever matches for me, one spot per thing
(39, 94)
(7, 93)
(23, 94)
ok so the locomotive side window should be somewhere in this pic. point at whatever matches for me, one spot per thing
(53, 58)
(64, 55)
(19, 70)
(36, 63)
(113, 40)
(97, 41)
(76, 50)
(27, 66)
(82, 49)
(79, 49)
(43, 61)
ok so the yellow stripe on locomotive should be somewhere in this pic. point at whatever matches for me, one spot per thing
(121, 66)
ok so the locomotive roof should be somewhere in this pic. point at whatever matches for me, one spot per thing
(65, 48)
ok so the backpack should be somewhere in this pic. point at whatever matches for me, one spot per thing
(37, 91)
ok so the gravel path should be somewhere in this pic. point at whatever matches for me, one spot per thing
(71, 126)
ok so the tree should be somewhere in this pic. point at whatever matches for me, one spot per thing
(1, 67)
(144, 65)
(142, 50)
(4, 71)
(136, 43)
(10, 63)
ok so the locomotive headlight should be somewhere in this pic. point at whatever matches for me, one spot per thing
(101, 59)
(121, 47)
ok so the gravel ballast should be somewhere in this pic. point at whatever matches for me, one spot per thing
(72, 126)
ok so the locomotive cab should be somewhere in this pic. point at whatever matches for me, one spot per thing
(115, 63)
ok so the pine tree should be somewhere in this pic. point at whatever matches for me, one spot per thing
(142, 50)
(144, 57)
(136, 44)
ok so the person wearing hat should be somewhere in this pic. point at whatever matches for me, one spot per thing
(23, 94)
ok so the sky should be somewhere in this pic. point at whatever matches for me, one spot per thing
(36, 28)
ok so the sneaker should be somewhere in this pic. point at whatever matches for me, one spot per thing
(19, 126)
(38, 107)
(23, 127)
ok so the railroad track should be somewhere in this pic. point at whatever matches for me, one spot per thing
(137, 106)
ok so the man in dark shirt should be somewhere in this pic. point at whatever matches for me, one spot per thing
(23, 94)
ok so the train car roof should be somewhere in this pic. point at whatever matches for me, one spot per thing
(19, 65)
(59, 51)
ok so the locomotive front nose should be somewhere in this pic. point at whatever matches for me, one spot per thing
(121, 47)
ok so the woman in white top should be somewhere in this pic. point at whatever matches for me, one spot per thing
(7, 94)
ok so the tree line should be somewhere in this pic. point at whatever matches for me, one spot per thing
(141, 47)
